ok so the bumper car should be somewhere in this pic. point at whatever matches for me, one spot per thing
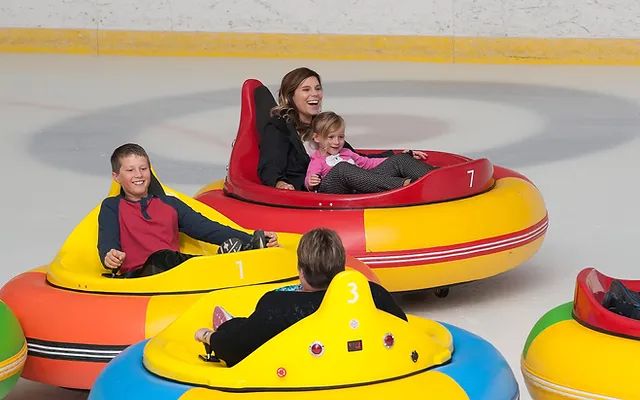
(346, 349)
(588, 348)
(13, 350)
(76, 318)
(464, 221)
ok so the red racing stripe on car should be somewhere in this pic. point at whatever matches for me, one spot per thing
(459, 251)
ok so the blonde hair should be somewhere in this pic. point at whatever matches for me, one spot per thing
(325, 123)
(321, 256)
(286, 108)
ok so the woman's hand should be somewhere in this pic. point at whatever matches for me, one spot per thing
(284, 185)
(114, 259)
(417, 154)
(273, 239)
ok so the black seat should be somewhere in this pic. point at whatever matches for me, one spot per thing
(621, 300)
(264, 102)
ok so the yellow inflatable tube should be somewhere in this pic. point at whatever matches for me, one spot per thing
(565, 360)
(347, 349)
(77, 265)
(457, 241)
(171, 356)
(421, 246)
(171, 353)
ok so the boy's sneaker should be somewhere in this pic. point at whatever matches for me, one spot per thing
(220, 316)
(231, 245)
(258, 241)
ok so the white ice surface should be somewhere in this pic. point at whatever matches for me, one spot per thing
(572, 130)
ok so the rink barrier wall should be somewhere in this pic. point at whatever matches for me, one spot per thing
(442, 49)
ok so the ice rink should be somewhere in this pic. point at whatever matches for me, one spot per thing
(572, 130)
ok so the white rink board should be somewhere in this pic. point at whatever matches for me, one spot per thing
(492, 18)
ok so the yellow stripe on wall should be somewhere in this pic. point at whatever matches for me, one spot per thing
(444, 49)
(35, 40)
(547, 51)
(276, 45)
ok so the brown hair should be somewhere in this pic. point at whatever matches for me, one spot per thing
(286, 108)
(321, 256)
(124, 151)
(325, 123)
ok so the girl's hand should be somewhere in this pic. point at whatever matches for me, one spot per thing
(284, 185)
(314, 180)
(417, 154)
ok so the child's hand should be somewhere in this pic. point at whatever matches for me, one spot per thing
(417, 154)
(314, 180)
(273, 239)
(114, 259)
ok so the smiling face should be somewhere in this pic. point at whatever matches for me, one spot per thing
(134, 176)
(307, 99)
(328, 132)
(330, 144)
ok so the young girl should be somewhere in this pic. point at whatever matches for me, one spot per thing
(334, 169)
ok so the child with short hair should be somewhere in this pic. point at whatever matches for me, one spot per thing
(321, 256)
(335, 169)
(138, 229)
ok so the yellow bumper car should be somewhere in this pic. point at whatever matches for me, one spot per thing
(76, 319)
(346, 349)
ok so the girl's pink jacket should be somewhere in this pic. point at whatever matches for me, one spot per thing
(321, 165)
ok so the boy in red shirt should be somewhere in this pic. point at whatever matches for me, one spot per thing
(138, 229)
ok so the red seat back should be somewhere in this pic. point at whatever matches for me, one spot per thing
(243, 164)
(591, 285)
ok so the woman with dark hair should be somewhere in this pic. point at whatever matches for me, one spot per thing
(285, 142)
(283, 157)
